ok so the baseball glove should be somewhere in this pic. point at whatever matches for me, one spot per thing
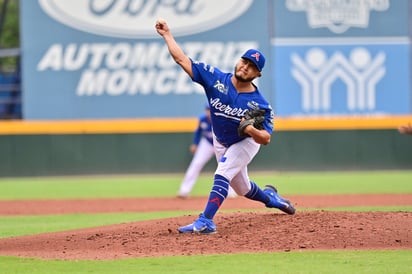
(254, 117)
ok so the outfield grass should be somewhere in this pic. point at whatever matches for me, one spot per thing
(316, 262)
(165, 186)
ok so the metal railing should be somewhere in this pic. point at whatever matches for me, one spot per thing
(10, 96)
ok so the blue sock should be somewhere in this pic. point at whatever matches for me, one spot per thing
(257, 194)
(217, 196)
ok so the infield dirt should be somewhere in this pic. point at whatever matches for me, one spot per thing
(250, 228)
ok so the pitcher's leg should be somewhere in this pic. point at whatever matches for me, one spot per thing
(233, 162)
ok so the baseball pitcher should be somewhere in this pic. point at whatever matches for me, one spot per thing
(242, 121)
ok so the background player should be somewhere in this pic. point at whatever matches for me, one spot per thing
(202, 150)
(236, 140)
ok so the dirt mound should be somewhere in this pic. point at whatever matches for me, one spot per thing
(237, 232)
(246, 231)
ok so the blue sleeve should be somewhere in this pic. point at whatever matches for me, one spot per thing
(204, 74)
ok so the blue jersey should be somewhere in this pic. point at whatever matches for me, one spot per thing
(204, 129)
(227, 106)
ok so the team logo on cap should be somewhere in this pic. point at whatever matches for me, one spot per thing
(256, 55)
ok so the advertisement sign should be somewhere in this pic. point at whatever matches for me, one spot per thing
(342, 80)
(331, 18)
(341, 58)
(102, 59)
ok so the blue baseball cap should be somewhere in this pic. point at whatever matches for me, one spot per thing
(256, 57)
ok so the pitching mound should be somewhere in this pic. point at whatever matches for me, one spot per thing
(253, 231)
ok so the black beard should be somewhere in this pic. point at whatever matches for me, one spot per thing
(243, 80)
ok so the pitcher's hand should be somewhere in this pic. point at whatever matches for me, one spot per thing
(161, 26)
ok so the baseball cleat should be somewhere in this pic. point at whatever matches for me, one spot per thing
(202, 225)
(278, 202)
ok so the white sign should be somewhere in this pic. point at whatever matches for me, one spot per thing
(116, 69)
(336, 15)
(136, 18)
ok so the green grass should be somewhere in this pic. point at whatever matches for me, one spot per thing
(88, 187)
(341, 182)
(316, 262)
(166, 186)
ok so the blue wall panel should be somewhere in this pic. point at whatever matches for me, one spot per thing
(341, 58)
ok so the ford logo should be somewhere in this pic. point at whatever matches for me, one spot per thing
(136, 18)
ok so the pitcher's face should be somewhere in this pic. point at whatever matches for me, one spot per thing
(246, 70)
